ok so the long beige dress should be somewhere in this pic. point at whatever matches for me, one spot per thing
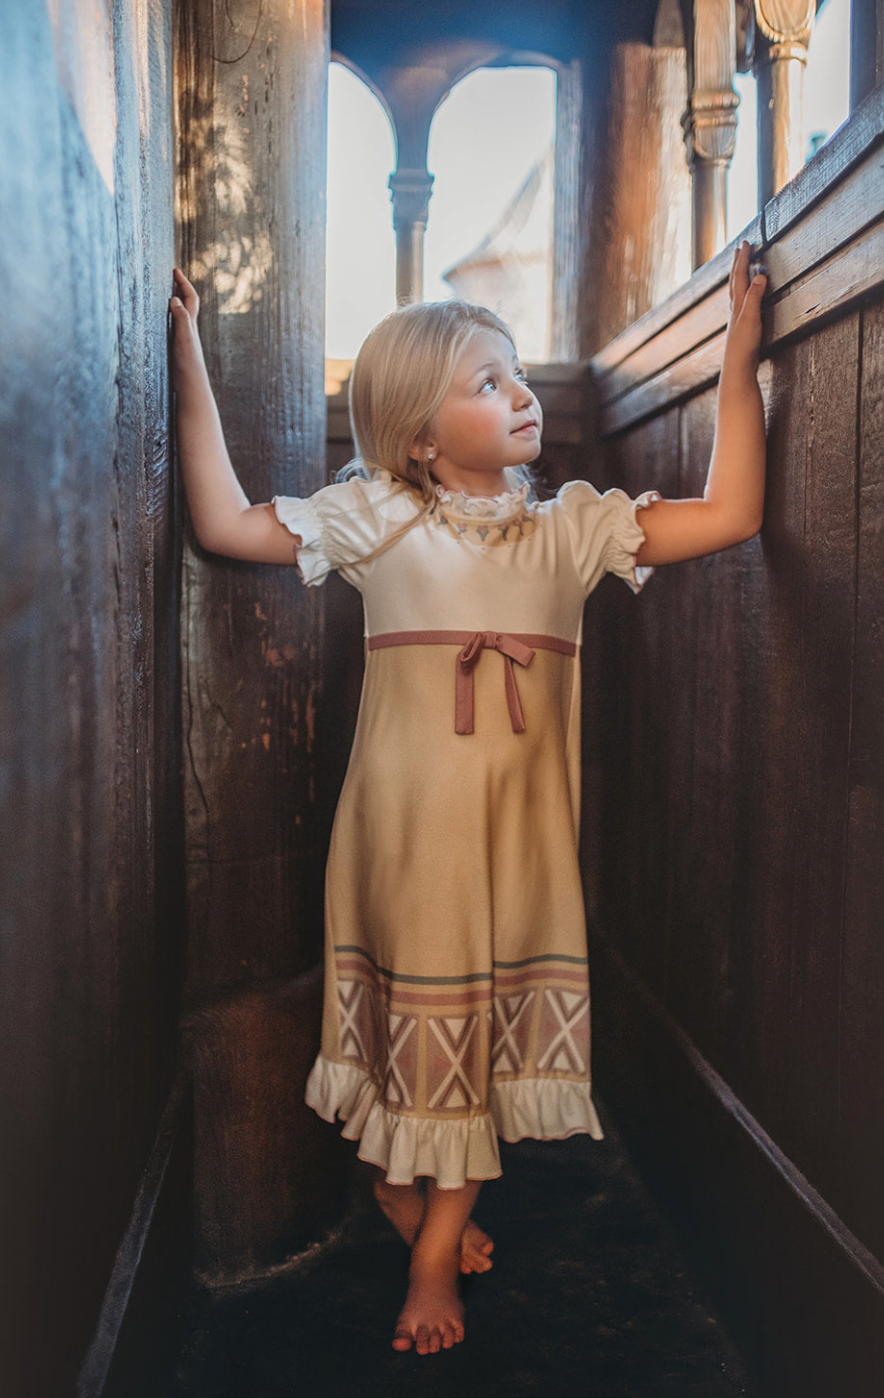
(456, 990)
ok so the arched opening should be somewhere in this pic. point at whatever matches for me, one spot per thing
(360, 250)
(490, 230)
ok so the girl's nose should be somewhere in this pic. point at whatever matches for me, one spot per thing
(522, 395)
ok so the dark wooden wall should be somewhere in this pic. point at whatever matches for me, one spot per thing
(89, 781)
(734, 822)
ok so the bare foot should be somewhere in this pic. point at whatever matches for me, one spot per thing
(475, 1249)
(432, 1317)
(404, 1206)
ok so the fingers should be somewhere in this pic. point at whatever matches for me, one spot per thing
(186, 292)
(739, 278)
(747, 284)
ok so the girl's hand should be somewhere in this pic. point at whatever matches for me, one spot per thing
(743, 340)
(184, 306)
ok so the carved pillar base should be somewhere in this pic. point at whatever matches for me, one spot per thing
(710, 127)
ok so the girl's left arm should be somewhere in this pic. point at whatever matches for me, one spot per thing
(733, 501)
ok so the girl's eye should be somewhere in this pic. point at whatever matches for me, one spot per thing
(489, 383)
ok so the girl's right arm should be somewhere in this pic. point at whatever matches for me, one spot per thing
(223, 520)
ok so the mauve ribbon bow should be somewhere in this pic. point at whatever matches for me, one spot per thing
(468, 659)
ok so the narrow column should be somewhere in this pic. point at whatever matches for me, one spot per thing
(710, 121)
(783, 33)
(644, 188)
(410, 192)
(251, 129)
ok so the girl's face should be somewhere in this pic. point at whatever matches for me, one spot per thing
(489, 419)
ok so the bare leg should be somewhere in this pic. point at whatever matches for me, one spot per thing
(432, 1317)
(404, 1206)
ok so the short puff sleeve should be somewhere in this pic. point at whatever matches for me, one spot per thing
(341, 524)
(605, 534)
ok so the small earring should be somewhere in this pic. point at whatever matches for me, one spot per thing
(431, 457)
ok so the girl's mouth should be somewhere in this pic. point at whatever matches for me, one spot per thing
(526, 427)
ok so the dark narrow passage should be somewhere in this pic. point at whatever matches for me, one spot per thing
(589, 1294)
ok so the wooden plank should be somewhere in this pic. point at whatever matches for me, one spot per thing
(862, 1042)
(632, 392)
(825, 629)
(852, 273)
(701, 722)
(700, 323)
(631, 675)
(850, 206)
(690, 374)
(769, 683)
(706, 280)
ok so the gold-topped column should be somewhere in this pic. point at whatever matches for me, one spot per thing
(783, 29)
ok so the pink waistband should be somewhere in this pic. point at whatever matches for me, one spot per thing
(513, 647)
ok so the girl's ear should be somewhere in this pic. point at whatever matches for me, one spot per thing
(422, 450)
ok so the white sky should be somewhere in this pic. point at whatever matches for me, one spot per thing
(486, 137)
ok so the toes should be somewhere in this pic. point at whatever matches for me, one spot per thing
(422, 1339)
(402, 1340)
(458, 1333)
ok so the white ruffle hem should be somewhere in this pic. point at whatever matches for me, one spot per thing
(451, 1152)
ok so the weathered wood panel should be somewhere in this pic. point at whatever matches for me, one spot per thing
(751, 925)
(862, 1042)
(251, 127)
(89, 789)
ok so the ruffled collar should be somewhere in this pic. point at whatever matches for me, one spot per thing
(496, 508)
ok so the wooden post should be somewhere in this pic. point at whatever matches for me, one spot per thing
(783, 33)
(410, 192)
(866, 49)
(642, 252)
(710, 120)
(252, 119)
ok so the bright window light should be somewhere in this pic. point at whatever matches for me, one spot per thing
(742, 177)
(827, 75)
(491, 212)
(360, 246)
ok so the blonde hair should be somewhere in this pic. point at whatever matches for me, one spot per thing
(401, 375)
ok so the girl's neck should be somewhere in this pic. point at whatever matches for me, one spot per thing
(480, 483)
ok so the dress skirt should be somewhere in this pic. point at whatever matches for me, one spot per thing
(456, 994)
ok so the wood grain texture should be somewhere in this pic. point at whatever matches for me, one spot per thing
(862, 1007)
(252, 157)
(91, 900)
(646, 190)
(738, 839)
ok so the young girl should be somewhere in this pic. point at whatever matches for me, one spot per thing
(456, 999)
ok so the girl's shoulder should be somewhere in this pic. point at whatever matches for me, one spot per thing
(602, 528)
(341, 523)
(377, 492)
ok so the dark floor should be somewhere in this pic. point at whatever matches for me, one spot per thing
(588, 1296)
